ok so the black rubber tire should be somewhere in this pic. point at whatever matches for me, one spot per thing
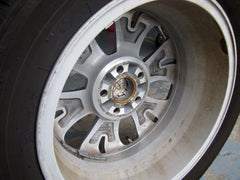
(25, 65)
(32, 35)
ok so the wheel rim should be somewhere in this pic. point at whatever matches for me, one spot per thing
(124, 90)
(136, 101)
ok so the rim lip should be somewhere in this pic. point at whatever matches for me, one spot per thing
(44, 130)
(226, 29)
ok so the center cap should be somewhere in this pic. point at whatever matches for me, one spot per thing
(120, 87)
(123, 90)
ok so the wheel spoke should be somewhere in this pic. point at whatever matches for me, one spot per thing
(158, 78)
(96, 49)
(73, 94)
(164, 52)
(171, 72)
(158, 106)
(107, 129)
(83, 95)
(131, 37)
(162, 63)
(116, 143)
(148, 25)
(119, 28)
(61, 126)
(91, 61)
(75, 105)
(83, 69)
(142, 36)
(137, 123)
(153, 100)
(141, 129)
(92, 148)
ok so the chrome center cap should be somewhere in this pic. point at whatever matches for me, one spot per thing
(120, 87)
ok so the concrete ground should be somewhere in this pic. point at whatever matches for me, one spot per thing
(227, 164)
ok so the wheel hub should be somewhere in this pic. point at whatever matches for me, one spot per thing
(120, 87)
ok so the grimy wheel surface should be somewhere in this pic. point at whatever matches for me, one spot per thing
(124, 89)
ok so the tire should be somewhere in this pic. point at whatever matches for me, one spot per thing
(116, 90)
